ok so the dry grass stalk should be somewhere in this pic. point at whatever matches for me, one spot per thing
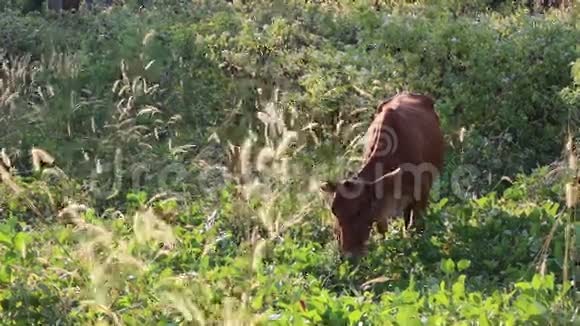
(265, 157)
(5, 159)
(236, 313)
(571, 203)
(40, 157)
(362, 92)
(258, 254)
(245, 158)
(184, 305)
(147, 227)
(572, 195)
(71, 213)
(17, 190)
(271, 167)
(567, 220)
(108, 258)
(64, 65)
(7, 180)
(289, 137)
(381, 279)
(17, 73)
(542, 256)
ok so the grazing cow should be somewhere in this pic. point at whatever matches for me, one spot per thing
(403, 156)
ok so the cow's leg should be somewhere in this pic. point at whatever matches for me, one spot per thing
(418, 208)
(408, 216)
(390, 210)
(418, 224)
(414, 217)
(382, 225)
(383, 217)
(382, 221)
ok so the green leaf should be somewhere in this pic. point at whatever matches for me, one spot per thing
(408, 316)
(577, 232)
(463, 265)
(354, 316)
(483, 321)
(5, 274)
(537, 282)
(5, 239)
(549, 282)
(459, 288)
(475, 298)
(436, 320)
(448, 266)
(441, 298)
(529, 306)
(409, 296)
(63, 235)
(20, 241)
(509, 319)
(536, 308)
(523, 285)
(471, 311)
(258, 302)
(576, 71)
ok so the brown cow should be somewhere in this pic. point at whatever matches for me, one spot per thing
(403, 157)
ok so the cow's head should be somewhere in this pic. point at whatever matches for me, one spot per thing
(352, 205)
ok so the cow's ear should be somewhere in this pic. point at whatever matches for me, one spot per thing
(328, 186)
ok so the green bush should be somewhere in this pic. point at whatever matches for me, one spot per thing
(501, 78)
(472, 264)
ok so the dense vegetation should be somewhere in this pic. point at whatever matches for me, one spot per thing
(161, 164)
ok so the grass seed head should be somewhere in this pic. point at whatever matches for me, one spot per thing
(40, 157)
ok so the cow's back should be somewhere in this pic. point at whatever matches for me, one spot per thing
(418, 129)
(405, 130)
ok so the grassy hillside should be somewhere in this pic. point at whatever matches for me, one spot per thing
(161, 166)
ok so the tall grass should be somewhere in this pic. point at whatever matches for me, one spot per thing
(571, 260)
